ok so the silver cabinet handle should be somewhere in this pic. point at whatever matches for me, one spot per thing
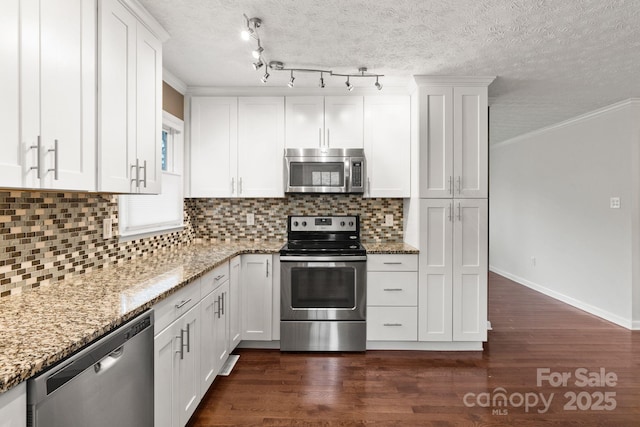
(218, 277)
(216, 312)
(222, 304)
(267, 268)
(392, 324)
(368, 185)
(392, 289)
(188, 338)
(183, 303)
(233, 186)
(38, 147)
(392, 262)
(144, 179)
(459, 212)
(240, 185)
(450, 210)
(55, 159)
(459, 184)
(450, 184)
(181, 337)
(137, 175)
(328, 143)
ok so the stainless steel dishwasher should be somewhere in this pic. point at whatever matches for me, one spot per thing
(108, 383)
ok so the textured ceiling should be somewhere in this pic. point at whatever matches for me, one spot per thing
(554, 59)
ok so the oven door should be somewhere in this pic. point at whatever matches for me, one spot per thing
(323, 288)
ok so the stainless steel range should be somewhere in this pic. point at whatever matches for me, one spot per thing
(323, 285)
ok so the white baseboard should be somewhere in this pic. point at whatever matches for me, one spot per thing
(596, 311)
(426, 346)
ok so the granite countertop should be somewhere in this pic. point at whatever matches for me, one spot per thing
(41, 327)
(390, 248)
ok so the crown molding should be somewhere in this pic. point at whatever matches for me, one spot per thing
(297, 91)
(169, 78)
(481, 81)
(147, 19)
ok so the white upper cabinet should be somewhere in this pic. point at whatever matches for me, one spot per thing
(130, 102)
(324, 122)
(237, 147)
(305, 121)
(453, 142)
(260, 147)
(47, 100)
(214, 139)
(387, 145)
(12, 148)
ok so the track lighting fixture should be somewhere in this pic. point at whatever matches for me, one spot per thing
(349, 85)
(290, 84)
(251, 31)
(258, 64)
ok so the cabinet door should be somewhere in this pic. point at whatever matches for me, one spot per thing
(165, 377)
(13, 406)
(10, 144)
(67, 93)
(188, 364)
(208, 362)
(235, 306)
(470, 142)
(343, 121)
(304, 122)
(256, 297)
(149, 110)
(436, 269)
(214, 138)
(470, 270)
(117, 98)
(221, 345)
(260, 147)
(387, 144)
(436, 142)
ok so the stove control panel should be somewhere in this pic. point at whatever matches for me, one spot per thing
(323, 223)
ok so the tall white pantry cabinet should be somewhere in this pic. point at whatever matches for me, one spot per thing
(453, 208)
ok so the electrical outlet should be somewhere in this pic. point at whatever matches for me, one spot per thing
(250, 219)
(614, 203)
(388, 220)
(107, 226)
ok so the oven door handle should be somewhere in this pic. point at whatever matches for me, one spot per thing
(345, 258)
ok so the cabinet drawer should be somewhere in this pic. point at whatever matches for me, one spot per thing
(392, 323)
(392, 262)
(174, 306)
(214, 278)
(392, 288)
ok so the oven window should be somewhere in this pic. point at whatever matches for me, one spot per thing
(332, 287)
(308, 174)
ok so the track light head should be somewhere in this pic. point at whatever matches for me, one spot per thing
(257, 52)
(290, 84)
(377, 84)
(246, 34)
(321, 84)
(250, 28)
(258, 64)
(264, 78)
(349, 85)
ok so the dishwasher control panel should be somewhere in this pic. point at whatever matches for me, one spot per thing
(137, 328)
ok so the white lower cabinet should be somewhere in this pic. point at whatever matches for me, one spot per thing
(214, 332)
(235, 306)
(13, 407)
(177, 370)
(257, 301)
(453, 270)
(392, 287)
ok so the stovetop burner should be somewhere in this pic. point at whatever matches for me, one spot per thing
(323, 235)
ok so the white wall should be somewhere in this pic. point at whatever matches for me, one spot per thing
(549, 199)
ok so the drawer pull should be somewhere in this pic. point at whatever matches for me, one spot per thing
(218, 277)
(393, 289)
(392, 263)
(392, 324)
(183, 303)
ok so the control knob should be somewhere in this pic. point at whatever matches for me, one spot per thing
(295, 223)
(350, 223)
(304, 223)
(342, 223)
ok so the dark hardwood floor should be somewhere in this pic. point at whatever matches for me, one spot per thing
(398, 388)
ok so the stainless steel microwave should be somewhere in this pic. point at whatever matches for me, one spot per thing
(329, 170)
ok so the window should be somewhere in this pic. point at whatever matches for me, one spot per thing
(146, 215)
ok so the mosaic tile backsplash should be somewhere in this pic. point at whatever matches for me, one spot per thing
(49, 236)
